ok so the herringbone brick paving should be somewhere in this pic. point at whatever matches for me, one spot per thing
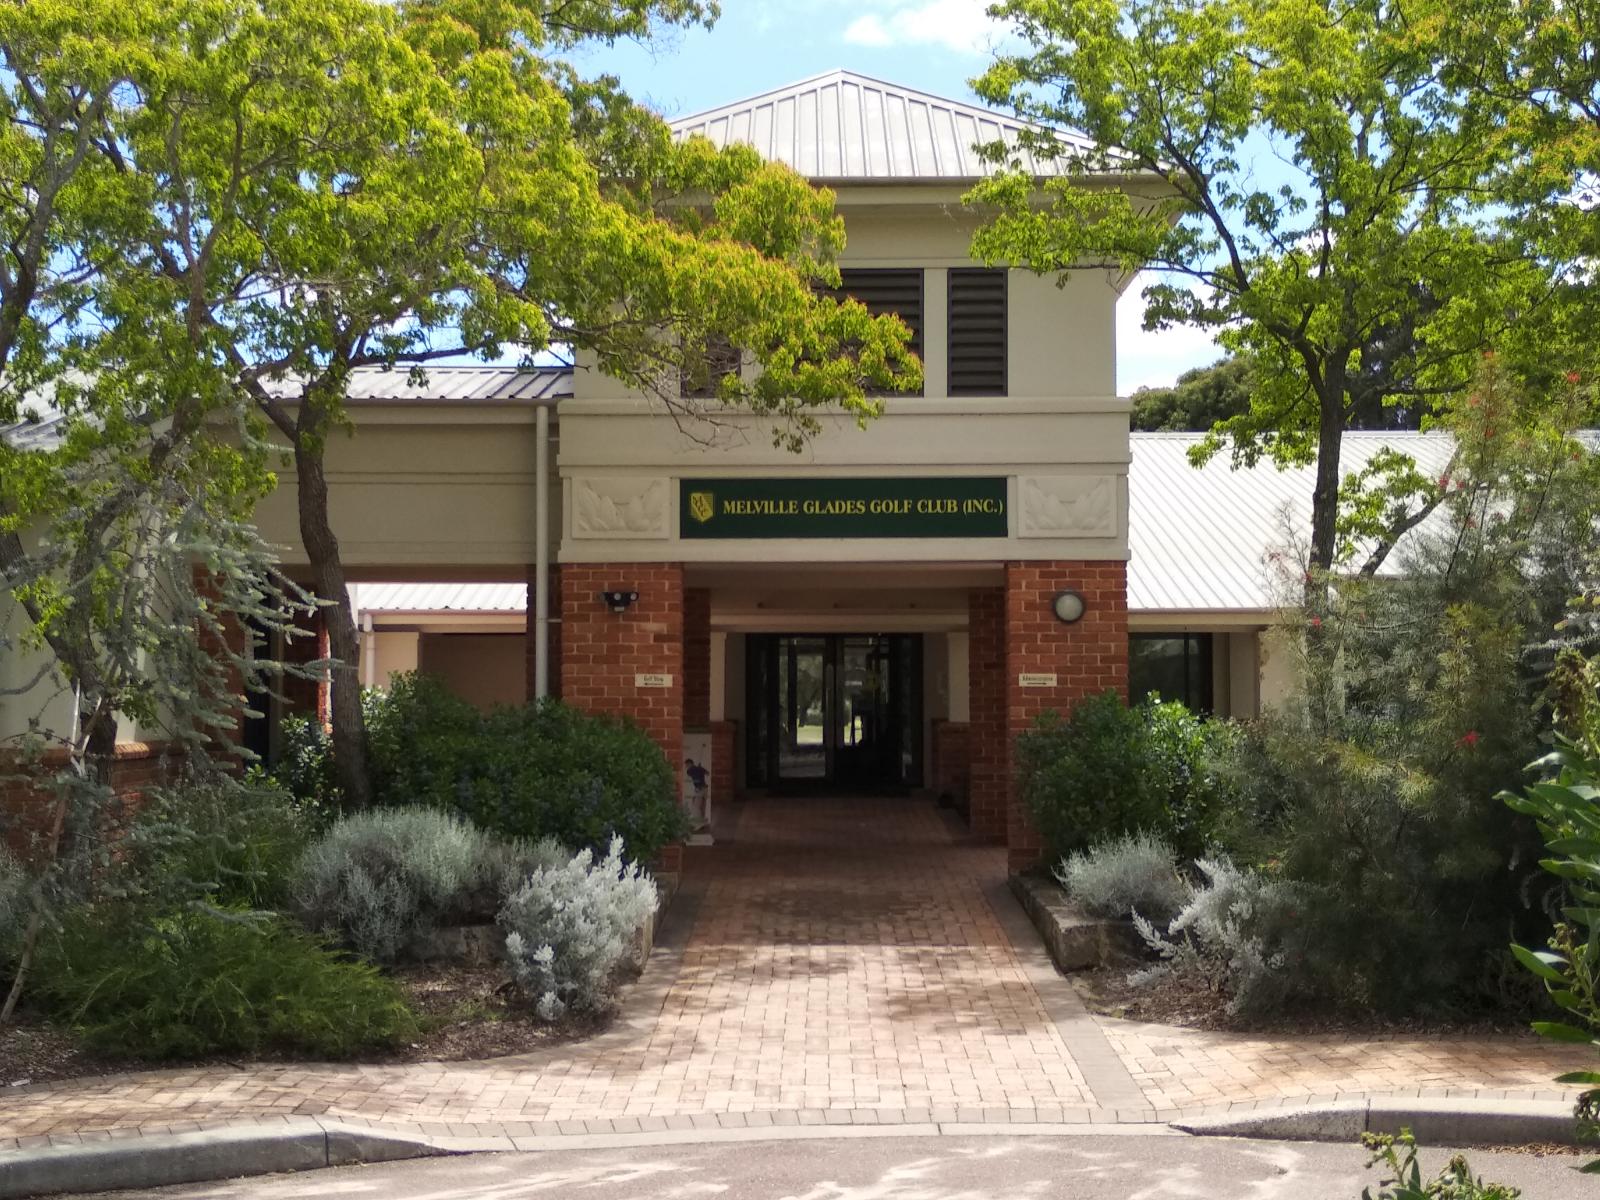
(844, 959)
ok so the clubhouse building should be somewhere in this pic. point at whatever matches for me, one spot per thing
(886, 610)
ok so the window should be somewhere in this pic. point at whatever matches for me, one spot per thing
(977, 331)
(1177, 666)
(888, 291)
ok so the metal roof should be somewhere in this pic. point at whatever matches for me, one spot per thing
(846, 126)
(438, 597)
(46, 433)
(510, 385)
(1200, 538)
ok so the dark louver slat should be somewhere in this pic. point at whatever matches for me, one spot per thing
(888, 291)
(977, 331)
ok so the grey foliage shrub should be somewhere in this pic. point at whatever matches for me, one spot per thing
(1240, 932)
(379, 880)
(1137, 872)
(570, 929)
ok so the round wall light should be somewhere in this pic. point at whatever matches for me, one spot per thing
(1068, 606)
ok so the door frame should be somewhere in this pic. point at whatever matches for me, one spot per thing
(763, 711)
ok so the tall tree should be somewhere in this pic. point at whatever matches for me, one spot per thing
(315, 187)
(1310, 185)
(1202, 398)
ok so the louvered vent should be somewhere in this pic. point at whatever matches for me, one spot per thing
(888, 291)
(977, 331)
(701, 378)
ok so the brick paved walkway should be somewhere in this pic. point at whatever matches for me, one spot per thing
(835, 960)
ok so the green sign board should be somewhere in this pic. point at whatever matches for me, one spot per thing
(958, 507)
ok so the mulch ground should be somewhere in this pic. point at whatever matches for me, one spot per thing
(1189, 1004)
(465, 1013)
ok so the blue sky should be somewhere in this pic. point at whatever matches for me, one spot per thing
(935, 45)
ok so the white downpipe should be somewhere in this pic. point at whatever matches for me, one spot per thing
(541, 552)
(369, 657)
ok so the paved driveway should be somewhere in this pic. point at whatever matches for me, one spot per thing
(836, 961)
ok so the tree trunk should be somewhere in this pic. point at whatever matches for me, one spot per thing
(1322, 650)
(322, 549)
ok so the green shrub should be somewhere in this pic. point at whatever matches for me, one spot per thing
(305, 762)
(571, 928)
(380, 880)
(425, 745)
(1109, 770)
(195, 983)
(1137, 872)
(15, 904)
(1373, 827)
(579, 778)
(228, 842)
(522, 771)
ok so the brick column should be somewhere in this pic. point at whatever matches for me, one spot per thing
(531, 637)
(697, 658)
(725, 783)
(603, 653)
(1086, 657)
(951, 766)
(987, 759)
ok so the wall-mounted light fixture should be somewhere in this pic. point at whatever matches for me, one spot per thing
(1068, 606)
(618, 602)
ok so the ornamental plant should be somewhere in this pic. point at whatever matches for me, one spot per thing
(1567, 809)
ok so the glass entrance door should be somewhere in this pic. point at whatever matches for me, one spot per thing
(841, 711)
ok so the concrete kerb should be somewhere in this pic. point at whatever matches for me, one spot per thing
(311, 1143)
(158, 1160)
(1447, 1122)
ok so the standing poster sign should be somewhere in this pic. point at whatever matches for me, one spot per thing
(697, 786)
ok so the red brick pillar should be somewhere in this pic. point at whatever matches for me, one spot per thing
(951, 767)
(612, 662)
(986, 700)
(532, 637)
(306, 696)
(724, 760)
(697, 658)
(1084, 658)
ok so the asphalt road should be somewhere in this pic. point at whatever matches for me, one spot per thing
(1077, 1167)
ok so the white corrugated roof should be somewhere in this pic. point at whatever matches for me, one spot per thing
(43, 434)
(1200, 538)
(438, 597)
(846, 126)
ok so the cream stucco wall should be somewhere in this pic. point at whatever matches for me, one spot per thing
(395, 652)
(424, 486)
(1280, 671)
(25, 699)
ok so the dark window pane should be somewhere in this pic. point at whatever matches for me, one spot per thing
(1177, 667)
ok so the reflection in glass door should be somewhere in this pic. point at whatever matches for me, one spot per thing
(803, 749)
(835, 710)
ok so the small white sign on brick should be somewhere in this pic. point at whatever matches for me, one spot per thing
(1036, 680)
(652, 681)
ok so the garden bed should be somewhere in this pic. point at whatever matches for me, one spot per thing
(465, 1013)
(1185, 1004)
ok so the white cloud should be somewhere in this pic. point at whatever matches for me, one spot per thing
(1156, 358)
(960, 25)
